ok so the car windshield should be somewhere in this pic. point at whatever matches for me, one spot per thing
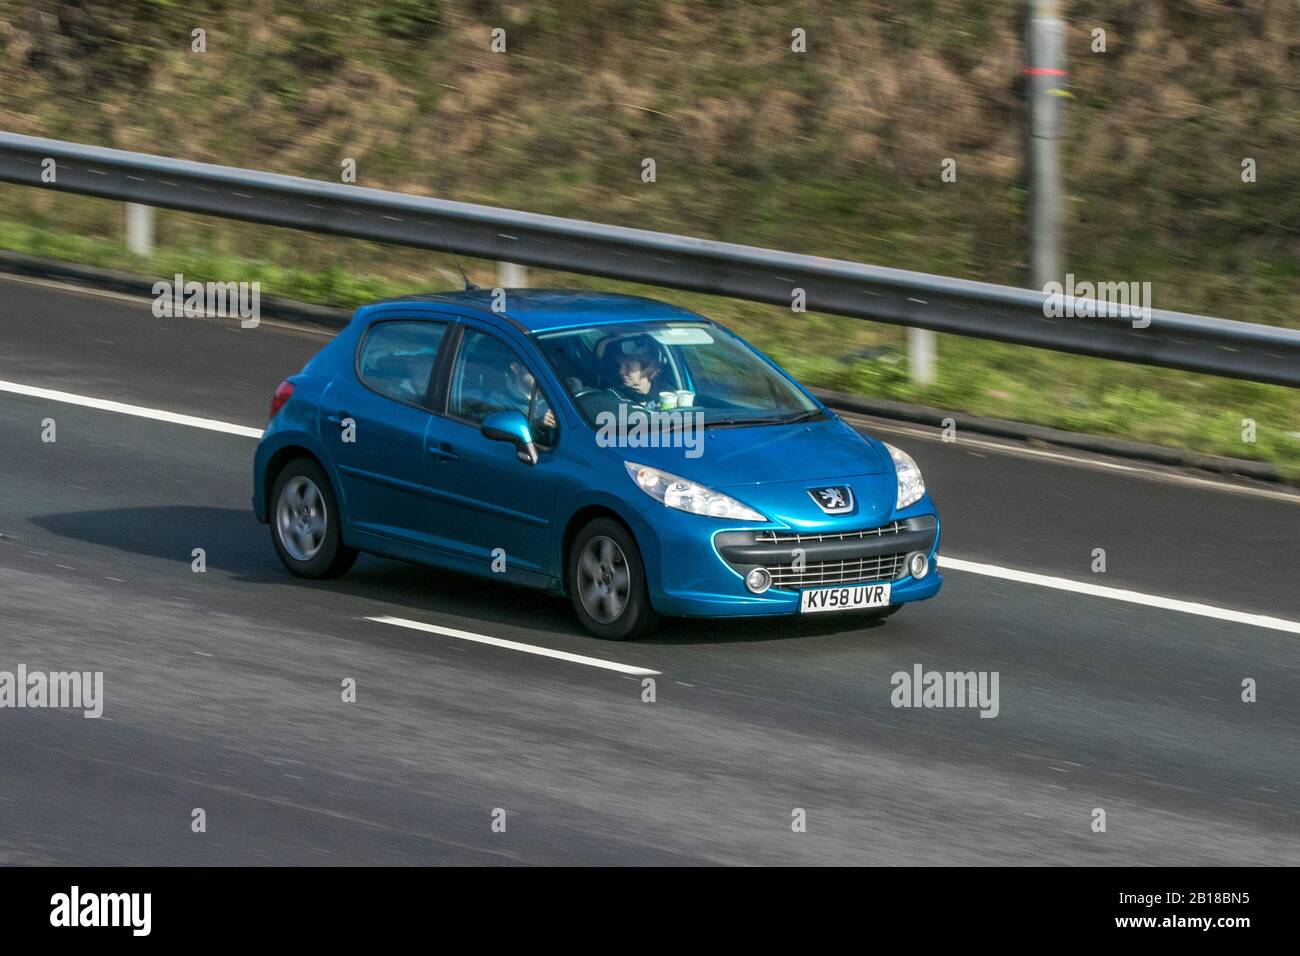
(655, 367)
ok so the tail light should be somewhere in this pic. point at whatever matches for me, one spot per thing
(282, 395)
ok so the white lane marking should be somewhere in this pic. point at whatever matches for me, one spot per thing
(885, 425)
(139, 411)
(516, 646)
(956, 564)
(1136, 471)
(1120, 594)
(1152, 473)
(287, 325)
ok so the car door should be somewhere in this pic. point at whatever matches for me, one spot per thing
(374, 423)
(493, 504)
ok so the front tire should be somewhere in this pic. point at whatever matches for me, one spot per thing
(305, 525)
(607, 583)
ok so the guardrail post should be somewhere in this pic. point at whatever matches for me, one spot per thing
(511, 275)
(920, 355)
(139, 229)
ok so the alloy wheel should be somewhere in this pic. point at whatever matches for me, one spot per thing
(301, 518)
(604, 581)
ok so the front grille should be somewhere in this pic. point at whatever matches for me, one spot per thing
(829, 558)
(881, 567)
(772, 537)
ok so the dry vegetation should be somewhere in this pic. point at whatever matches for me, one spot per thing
(836, 151)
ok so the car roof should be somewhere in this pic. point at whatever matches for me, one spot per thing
(544, 310)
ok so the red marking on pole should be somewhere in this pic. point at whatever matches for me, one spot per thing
(1042, 71)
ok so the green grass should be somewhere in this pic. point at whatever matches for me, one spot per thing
(1161, 406)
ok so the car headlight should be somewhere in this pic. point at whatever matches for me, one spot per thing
(687, 495)
(911, 486)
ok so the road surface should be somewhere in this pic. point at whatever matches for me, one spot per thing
(222, 689)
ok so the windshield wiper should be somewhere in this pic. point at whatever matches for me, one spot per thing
(803, 416)
(765, 420)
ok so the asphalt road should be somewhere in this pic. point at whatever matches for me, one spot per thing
(223, 689)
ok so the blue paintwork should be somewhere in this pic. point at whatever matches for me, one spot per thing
(430, 488)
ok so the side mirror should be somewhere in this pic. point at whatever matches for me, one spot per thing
(511, 427)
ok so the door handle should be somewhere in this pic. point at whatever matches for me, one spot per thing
(443, 450)
(338, 418)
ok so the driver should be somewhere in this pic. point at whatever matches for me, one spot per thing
(638, 372)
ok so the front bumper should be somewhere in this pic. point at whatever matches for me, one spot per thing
(697, 570)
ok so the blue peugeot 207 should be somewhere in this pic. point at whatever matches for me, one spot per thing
(629, 454)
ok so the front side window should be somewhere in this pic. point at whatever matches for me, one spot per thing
(490, 377)
(397, 358)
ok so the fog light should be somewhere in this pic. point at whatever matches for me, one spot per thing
(918, 565)
(758, 580)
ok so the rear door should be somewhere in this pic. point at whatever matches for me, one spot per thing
(374, 423)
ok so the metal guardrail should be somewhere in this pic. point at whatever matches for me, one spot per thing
(1173, 339)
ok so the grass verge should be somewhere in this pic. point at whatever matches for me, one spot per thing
(1159, 406)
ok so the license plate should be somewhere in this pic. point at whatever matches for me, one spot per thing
(855, 598)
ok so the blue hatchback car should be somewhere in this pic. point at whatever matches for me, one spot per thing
(629, 454)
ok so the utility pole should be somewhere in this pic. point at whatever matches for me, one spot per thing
(1046, 81)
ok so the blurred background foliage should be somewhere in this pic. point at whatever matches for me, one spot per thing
(833, 152)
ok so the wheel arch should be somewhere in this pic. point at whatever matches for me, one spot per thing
(275, 464)
(576, 523)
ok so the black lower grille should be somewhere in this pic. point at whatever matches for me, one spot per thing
(880, 567)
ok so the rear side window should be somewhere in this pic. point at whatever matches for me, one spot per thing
(397, 358)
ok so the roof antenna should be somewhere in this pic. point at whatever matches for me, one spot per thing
(469, 286)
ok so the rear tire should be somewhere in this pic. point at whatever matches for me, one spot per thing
(305, 525)
(607, 584)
